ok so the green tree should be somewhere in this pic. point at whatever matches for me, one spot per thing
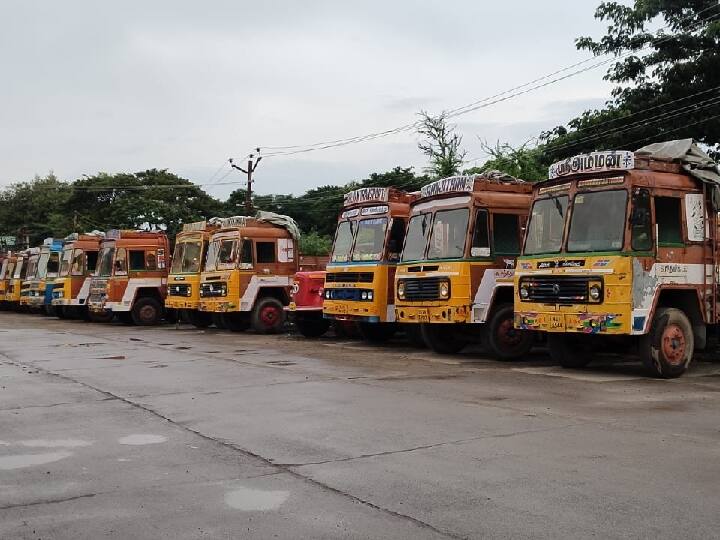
(441, 145)
(33, 209)
(523, 162)
(667, 78)
(313, 243)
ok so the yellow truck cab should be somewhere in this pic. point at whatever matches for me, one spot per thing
(184, 280)
(7, 267)
(78, 263)
(248, 272)
(27, 289)
(456, 270)
(624, 245)
(14, 284)
(366, 250)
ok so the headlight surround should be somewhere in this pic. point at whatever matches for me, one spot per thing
(444, 289)
(595, 291)
(524, 292)
(401, 290)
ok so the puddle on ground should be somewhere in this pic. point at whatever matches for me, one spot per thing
(139, 439)
(110, 358)
(54, 443)
(159, 366)
(281, 363)
(183, 348)
(255, 500)
(19, 461)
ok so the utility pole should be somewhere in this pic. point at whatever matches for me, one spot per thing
(251, 166)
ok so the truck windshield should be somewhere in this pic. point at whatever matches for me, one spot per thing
(370, 241)
(449, 230)
(42, 265)
(343, 241)
(4, 268)
(187, 258)
(65, 262)
(545, 229)
(19, 267)
(222, 255)
(106, 260)
(598, 221)
(416, 237)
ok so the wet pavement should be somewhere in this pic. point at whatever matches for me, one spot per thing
(172, 432)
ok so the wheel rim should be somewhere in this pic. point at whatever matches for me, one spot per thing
(269, 315)
(147, 313)
(674, 344)
(507, 334)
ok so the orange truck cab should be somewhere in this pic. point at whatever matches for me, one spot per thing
(248, 272)
(77, 264)
(131, 279)
(368, 240)
(184, 280)
(454, 280)
(26, 285)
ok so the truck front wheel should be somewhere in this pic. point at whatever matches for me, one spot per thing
(569, 351)
(442, 338)
(146, 311)
(667, 349)
(268, 316)
(502, 339)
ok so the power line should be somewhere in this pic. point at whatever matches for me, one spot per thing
(482, 103)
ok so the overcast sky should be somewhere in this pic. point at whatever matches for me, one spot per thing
(92, 86)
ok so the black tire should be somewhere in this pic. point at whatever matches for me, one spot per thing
(268, 316)
(312, 327)
(415, 336)
(61, 312)
(667, 350)
(199, 319)
(442, 338)
(500, 337)
(236, 321)
(100, 316)
(569, 351)
(146, 311)
(345, 329)
(377, 332)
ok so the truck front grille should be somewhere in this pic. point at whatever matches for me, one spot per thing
(179, 290)
(418, 289)
(556, 289)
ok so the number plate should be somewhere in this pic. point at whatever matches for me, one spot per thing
(556, 323)
(423, 316)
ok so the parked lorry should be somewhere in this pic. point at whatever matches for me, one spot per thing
(14, 283)
(366, 250)
(78, 263)
(131, 278)
(7, 266)
(624, 246)
(37, 288)
(188, 259)
(248, 272)
(455, 276)
(306, 303)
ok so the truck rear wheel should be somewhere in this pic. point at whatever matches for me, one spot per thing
(667, 349)
(502, 339)
(569, 351)
(312, 327)
(442, 338)
(146, 311)
(199, 319)
(268, 316)
(377, 332)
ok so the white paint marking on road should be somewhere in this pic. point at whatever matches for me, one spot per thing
(139, 439)
(55, 443)
(19, 461)
(255, 500)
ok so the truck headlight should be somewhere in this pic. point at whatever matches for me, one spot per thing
(370, 295)
(524, 292)
(595, 292)
(363, 295)
(401, 290)
(444, 289)
(327, 294)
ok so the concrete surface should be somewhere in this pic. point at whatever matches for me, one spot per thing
(172, 432)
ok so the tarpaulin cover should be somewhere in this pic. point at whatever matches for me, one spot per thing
(692, 158)
(286, 222)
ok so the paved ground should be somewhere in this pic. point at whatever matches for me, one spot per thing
(114, 431)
